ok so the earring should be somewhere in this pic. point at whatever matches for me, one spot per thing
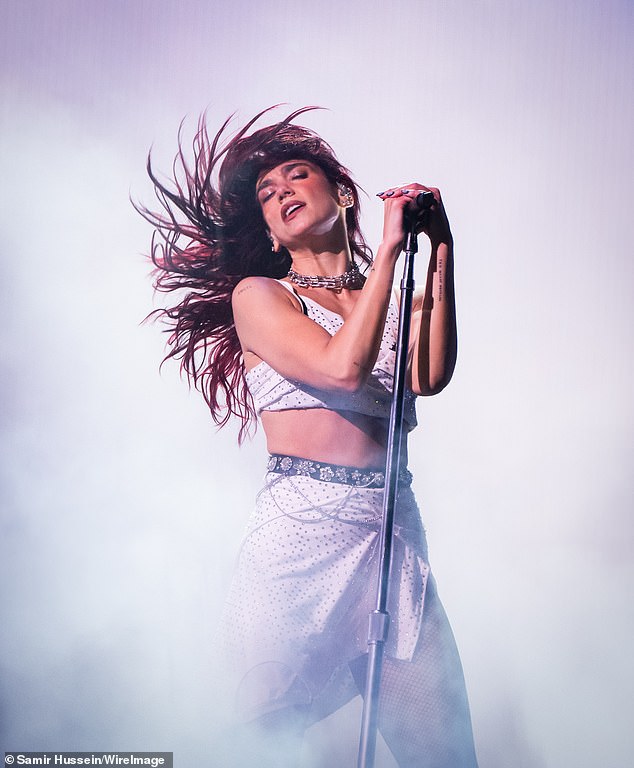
(275, 246)
(346, 198)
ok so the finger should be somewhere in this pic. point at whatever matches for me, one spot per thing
(413, 191)
(408, 190)
(388, 193)
(395, 191)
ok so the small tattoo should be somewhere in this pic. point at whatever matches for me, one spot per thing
(441, 284)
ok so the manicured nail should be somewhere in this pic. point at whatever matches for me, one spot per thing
(380, 194)
(389, 194)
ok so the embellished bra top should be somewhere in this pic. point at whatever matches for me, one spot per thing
(272, 392)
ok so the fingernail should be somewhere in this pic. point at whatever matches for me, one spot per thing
(389, 194)
(405, 191)
(380, 194)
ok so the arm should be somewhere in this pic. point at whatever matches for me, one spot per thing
(434, 343)
(270, 325)
(433, 340)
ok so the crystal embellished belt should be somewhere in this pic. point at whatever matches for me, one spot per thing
(332, 473)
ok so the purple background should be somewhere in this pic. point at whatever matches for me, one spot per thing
(122, 507)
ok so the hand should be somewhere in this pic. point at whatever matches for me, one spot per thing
(397, 200)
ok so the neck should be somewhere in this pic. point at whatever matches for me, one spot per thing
(323, 263)
(326, 254)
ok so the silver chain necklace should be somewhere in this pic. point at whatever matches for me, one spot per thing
(351, 279)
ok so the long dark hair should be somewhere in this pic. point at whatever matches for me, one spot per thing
(210, 234)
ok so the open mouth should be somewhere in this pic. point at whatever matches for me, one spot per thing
(290, 210)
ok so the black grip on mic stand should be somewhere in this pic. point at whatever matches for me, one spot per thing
(417, 212)
(424, 201)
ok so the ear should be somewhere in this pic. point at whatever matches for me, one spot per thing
(346, 198)
(275, 246)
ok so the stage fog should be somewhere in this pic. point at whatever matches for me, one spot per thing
(123, 506)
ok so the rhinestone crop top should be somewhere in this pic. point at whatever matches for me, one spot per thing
(272, 392)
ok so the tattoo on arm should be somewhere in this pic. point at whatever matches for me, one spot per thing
(441, 279)
(243, 289)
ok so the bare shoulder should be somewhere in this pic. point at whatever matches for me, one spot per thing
(256, 291)
(265, 312)
(251, 284)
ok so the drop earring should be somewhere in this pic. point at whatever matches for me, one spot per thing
(275, 246)
(346, 198)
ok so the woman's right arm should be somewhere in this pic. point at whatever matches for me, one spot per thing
(270, 325)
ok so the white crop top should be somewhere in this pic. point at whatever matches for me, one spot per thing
(272, 392)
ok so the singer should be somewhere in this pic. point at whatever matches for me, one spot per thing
(288, 317)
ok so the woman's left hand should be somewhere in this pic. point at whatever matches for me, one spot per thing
(435, 223)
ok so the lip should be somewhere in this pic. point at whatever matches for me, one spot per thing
(290, 209)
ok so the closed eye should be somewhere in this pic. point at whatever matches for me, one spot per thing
(292, 171)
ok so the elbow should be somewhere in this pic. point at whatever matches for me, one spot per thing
(348, 380)
(435, 381)
(435, 385)
(436, 371)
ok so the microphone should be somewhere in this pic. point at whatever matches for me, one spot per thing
(417, 211)
(423, 201)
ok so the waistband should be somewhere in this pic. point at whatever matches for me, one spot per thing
(333, 473)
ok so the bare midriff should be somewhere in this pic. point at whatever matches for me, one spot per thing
(335, 437)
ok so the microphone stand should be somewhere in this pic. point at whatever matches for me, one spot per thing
(379, 619)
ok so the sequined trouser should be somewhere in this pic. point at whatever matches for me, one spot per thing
(297, 618)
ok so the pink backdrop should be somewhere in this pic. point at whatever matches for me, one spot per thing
(122, 507)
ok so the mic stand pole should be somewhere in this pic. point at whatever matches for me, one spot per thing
(379, 619)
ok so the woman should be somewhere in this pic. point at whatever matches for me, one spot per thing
(262, 331)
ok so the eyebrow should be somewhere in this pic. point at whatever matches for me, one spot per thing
(287, 168)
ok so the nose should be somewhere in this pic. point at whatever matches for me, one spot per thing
(283, 191)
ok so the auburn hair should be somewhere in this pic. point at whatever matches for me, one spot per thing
(210, 233)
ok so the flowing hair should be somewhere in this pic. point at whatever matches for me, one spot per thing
(210, 233)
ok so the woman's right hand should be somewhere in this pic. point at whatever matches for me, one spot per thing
(395, 202)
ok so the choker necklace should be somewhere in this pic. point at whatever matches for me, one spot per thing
(351, 279)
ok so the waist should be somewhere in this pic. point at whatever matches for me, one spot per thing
(369, 477)
(348, 439)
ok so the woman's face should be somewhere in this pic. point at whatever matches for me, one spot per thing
(298, 203)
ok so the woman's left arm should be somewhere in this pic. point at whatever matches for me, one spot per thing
(433, 340)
